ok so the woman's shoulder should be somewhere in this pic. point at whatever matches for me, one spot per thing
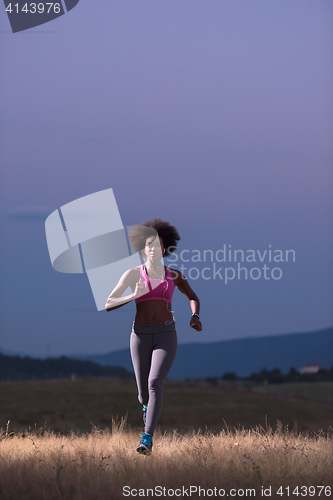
(132, 273)
(174, 270)
(135, 270)
(176, 275)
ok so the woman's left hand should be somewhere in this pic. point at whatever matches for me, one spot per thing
(196, 323)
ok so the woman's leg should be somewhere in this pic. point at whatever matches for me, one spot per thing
(141, 347)
(163, 356)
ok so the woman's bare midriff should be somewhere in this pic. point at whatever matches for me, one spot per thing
(151, 312)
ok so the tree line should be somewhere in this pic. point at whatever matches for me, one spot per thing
(275, 376)
(26, 368)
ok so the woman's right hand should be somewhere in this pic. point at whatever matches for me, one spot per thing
(139, 288)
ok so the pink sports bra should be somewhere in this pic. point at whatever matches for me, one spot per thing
(161, 289)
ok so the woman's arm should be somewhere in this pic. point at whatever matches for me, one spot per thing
(182, 285)
(115, 299)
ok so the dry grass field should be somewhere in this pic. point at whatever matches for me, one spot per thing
(104, 465)
(65, 441)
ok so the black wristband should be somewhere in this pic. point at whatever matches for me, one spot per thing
(195, 314)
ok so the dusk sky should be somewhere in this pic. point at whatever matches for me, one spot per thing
(214, 115)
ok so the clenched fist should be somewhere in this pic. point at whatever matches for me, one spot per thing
(139, 288)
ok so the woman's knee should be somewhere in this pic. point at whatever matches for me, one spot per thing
(156, 384)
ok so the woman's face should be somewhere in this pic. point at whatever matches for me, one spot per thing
(154, 248)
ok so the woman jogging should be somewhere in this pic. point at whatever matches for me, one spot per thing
(153, 341)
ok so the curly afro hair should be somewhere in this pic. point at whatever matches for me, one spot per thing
(140, 232)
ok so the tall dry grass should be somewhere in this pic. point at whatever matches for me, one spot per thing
(42, 465)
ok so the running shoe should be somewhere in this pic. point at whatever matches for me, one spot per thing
(146, 444)
(144, 414)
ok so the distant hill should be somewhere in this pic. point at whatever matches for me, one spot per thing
(26, 368)
(9, 352)
(242, 356)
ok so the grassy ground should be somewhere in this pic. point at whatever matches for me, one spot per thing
(65, 405)
(225, 436)
(103, 465)
(307, 390)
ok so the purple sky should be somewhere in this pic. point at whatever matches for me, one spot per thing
(216, 116)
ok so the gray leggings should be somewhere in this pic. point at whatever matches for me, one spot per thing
(153, 351)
